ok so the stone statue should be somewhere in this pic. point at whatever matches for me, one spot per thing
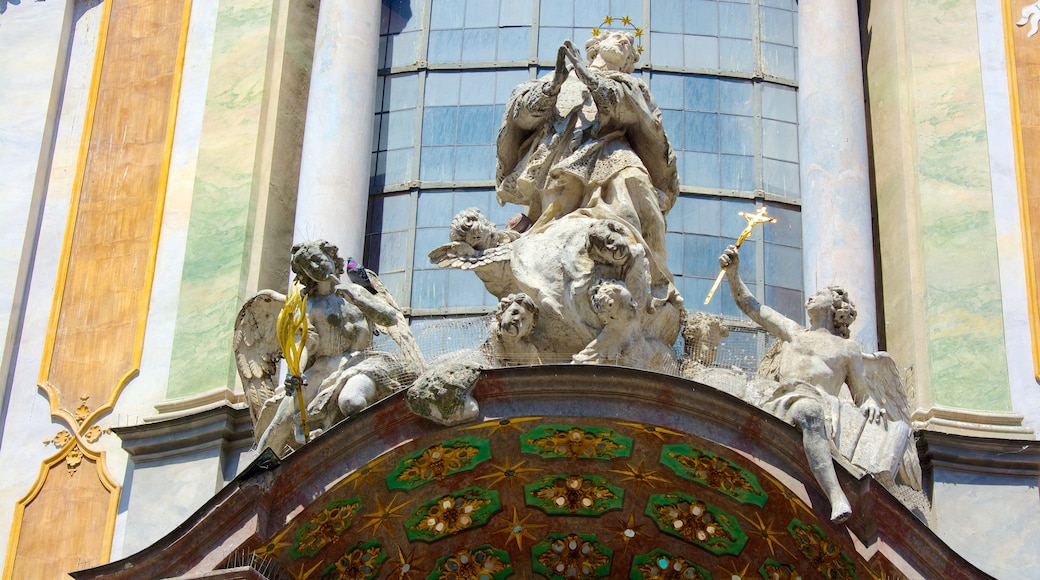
(509, 335)
(343, 375)
(585, 150)
(803, 377)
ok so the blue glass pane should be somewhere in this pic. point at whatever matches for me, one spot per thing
(403, 48)
(501, 214)
(478, 88)
(633, 8)
(783, 266)
(736, 134)
(725, 297)
(478, 198)
(474, 163)
(439, 126)
(702, 132)
(667, 90)
(395, 284)
(786, 301)
(465, 289)
(478, 44)
(393, 251)
(506, 81)
(786, 4)
(737, 173)
(701, 93)
(732, 222)
(734, 20)
(735, 97)
(695, 289)
(428, 287)
(557, 13)
(701, 216)
(779, 102)
(589, 14)
(666, 15)
(447, 14)
(780, 177)
(400, 91)
(701, 51)
(788, 227)
(550, 40)
(779, 61)
(398, 166)
(673, 242)
(426, 239)
(666, 49)
(736, 55)
(476, 124)
(442, 88)
(377, 129)
(673, 127)
(434, 210)
(445, 46)
(516, 13)
(701, 169)
(780, 140)
(702, 17)
(514, 43)
(401, 129)
(777, 26)
(701, 255)
(437, 163)
(482, 13)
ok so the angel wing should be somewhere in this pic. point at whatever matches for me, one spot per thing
(886, 386)
(257, 352)
(463, 256)
(399, 331)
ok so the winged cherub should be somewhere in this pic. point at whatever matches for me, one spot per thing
(342, 374)
(808, 370)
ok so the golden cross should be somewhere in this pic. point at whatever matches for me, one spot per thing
(753, 219)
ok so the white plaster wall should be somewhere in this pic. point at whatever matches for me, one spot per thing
(1025, 392)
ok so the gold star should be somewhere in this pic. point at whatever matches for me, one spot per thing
(626, 20)
(513, 473)
(608, 20)
(504, 424)
(305, 573)
(639, 475)
(791, 498)
(639, 49)
(405, 566)
(362, 475)
(272, 546)
(519, 529)
(381, 518)
(733, 574)
(595, 32)
(639, 34)
(627, 530)
(767, 532)
(650, 430)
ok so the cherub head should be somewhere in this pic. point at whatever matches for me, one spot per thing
(702, 334)
(315, 261)
(612, 301)
(470, 226)
(834, 302)
(617, 49)
(516, 315)
(608, 243)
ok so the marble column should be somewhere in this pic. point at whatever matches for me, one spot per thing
(837, 236)
(332, 202)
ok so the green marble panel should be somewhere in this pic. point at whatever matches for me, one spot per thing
(958, 245)
(216, 253)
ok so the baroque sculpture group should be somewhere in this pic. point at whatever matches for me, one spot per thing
(582, 278)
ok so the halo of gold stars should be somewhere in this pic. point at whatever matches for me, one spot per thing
(625, 21)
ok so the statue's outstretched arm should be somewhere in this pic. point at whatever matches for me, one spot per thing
(375, 309)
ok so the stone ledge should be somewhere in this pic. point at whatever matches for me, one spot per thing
(972, 423)
(990, 456)
(216, 427)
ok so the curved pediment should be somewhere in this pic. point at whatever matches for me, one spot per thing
(573, 471)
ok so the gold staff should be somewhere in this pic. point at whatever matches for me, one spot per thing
(753, 219)
(292, 336)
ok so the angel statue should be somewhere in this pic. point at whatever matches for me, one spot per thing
(342, 375)
(805, 371)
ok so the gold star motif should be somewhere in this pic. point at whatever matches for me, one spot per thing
(639, 475)
(771, 536)
(303, 573)
(791, 498)
(381, 518)
(649, 430)
(639, 49)
(272, 546)
(639, 34)
(733, 574)
(626, 20)
(595, 31)
(627, 530)
(519, 529)
(405, 567)
(608, 20)
(503, 424)
(513, 473)
(362, 475)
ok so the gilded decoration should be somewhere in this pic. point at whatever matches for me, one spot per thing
(588, 495)
(505, 516)
(324, 528)
(437, 462)
(480, 563)
(828, 559)
(715, 472)
(773, 569)
(360, 562)
(660, 565)
(452, 514)
(696, 522)
(558, 441)
(571, 556)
